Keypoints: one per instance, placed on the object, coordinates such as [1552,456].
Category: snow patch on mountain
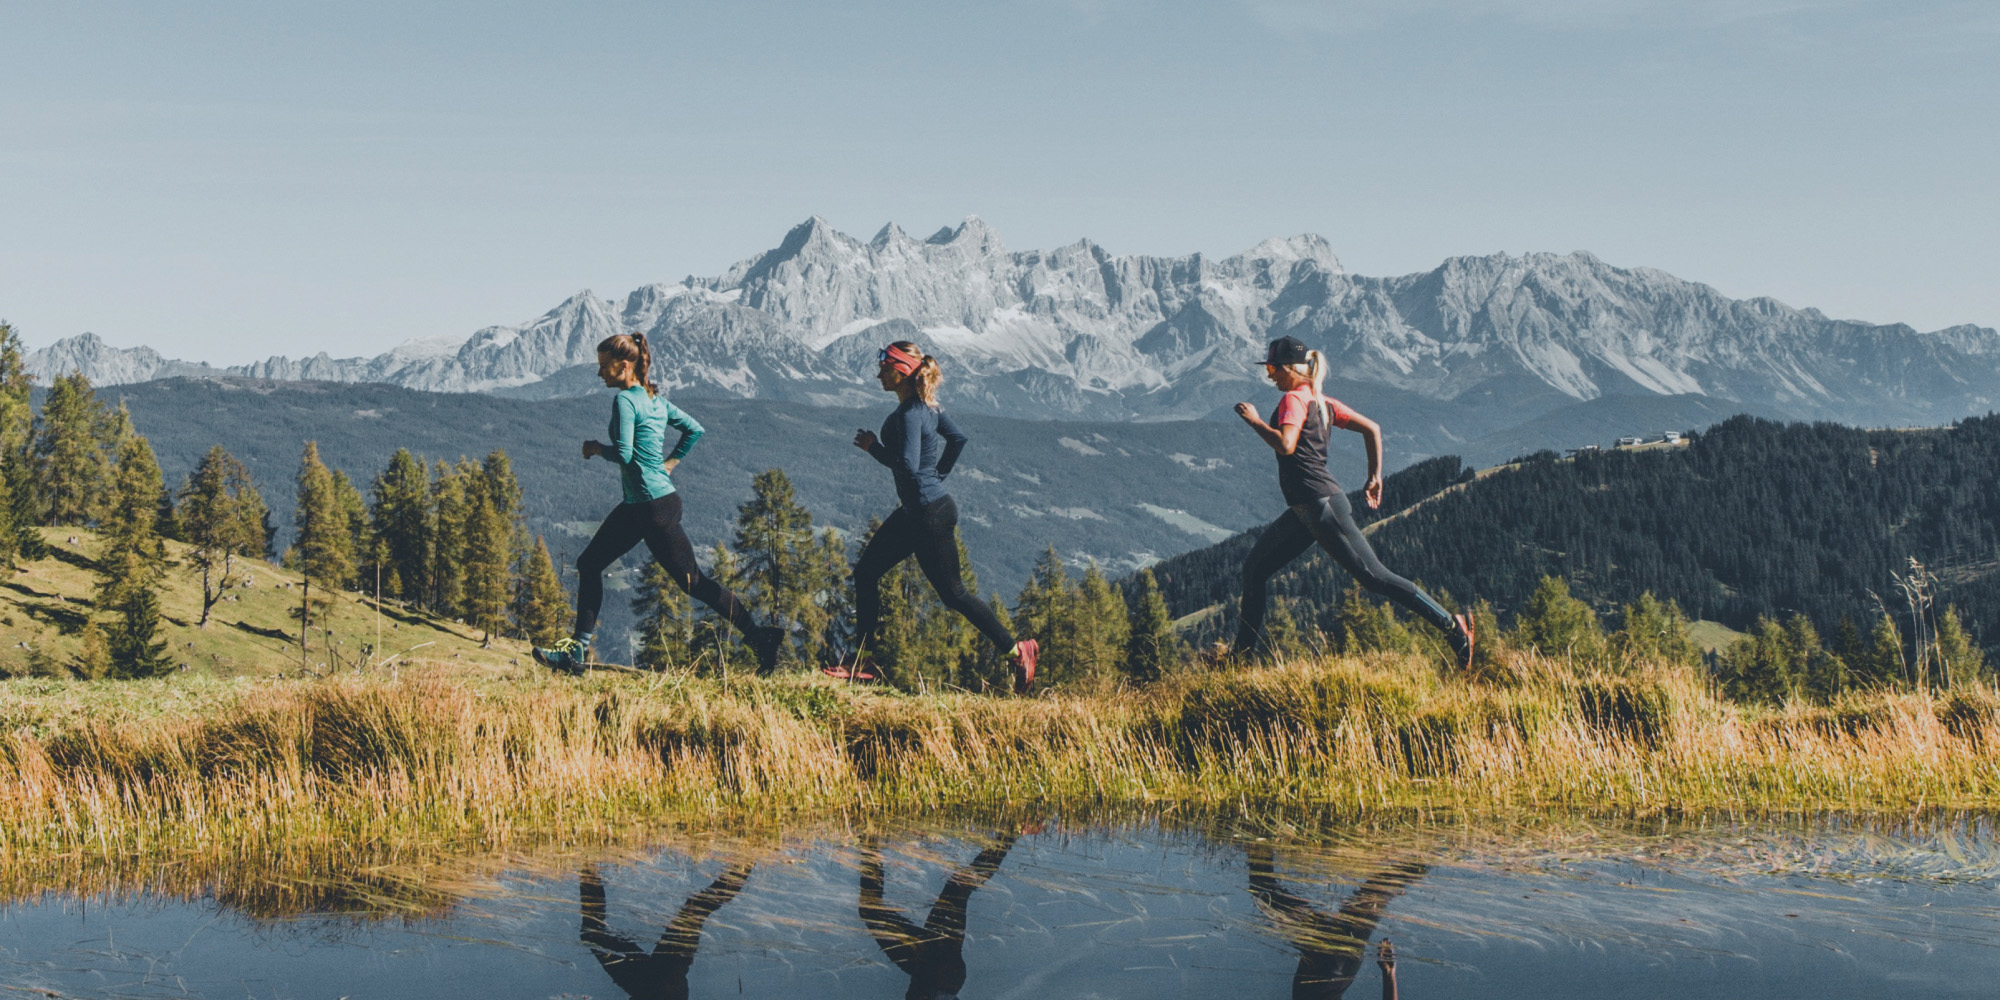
[1077,331]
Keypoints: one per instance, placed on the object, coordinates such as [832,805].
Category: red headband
[901,361]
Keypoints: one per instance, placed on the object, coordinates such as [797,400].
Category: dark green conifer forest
[1849,556]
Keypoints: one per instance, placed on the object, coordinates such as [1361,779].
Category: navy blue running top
[919,444]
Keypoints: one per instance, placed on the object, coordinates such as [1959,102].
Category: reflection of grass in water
[437,762]
[1549,883]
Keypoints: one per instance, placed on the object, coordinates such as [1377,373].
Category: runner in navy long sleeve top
[920,444]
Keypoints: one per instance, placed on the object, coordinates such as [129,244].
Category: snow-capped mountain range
[1483,342]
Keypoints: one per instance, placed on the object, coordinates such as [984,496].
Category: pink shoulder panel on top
[1339,412]
[1292,408]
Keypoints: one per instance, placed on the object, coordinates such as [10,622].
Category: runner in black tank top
[1318,510]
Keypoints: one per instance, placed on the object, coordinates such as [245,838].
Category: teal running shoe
[566,656]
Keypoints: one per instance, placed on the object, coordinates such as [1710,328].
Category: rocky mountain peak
[1303,247]
[889,234]
[1081,331]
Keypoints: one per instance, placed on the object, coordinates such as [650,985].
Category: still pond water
[1055,911]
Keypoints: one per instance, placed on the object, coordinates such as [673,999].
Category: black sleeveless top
[1302,475]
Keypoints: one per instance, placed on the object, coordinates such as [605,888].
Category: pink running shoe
[1025,653]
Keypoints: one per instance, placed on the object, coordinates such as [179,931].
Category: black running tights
[658,524]
[931,534]
[1330,522]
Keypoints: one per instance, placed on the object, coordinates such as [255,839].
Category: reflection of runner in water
[662,973]
[932,955]
[1331,948]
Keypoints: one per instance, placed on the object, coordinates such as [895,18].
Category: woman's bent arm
[1283,440]
[1371,435]
[954,442]
[625,421]
[689,427]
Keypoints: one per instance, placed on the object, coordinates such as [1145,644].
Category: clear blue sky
[228,181]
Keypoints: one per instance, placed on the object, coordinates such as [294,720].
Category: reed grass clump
[433,761]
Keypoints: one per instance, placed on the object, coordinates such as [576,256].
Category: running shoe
[1462,643]
[566,656]
[860,673]
[1025,653]
[766,643]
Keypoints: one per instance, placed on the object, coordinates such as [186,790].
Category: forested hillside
[1122,494]
[1752,518]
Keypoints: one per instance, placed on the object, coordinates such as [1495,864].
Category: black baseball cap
[1286,351]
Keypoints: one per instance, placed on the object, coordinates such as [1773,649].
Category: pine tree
[70,471]
[1283,639]
[1558,625]
[1779,661]
[788,571]
[134,557]
[1368,626]
[400,523]
[990,668]
[221,517]
[1886,662]
[833,595]
[10,530]
[16,423]
[486,563]
[136,650]
[541,606]
[1490,662]
[505,489]
[1758,667]
[1820,674]
[1150,646]
[325,548]
[450,508]
[714,641]
[354,513]
[1961,660]
[93,656]
[1046,611]
[666,628]
[1852,648]
[1098,640]
[1655,632]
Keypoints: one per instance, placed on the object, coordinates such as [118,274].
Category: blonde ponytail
[1314,372]
[927,376]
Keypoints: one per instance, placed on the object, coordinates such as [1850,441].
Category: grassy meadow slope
[252,632]
[355,770]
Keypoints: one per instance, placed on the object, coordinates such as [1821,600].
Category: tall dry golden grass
[308,775]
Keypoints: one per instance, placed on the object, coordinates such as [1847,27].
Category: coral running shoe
[1025,653]
[1462,643]
[860,673]
[566,656]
